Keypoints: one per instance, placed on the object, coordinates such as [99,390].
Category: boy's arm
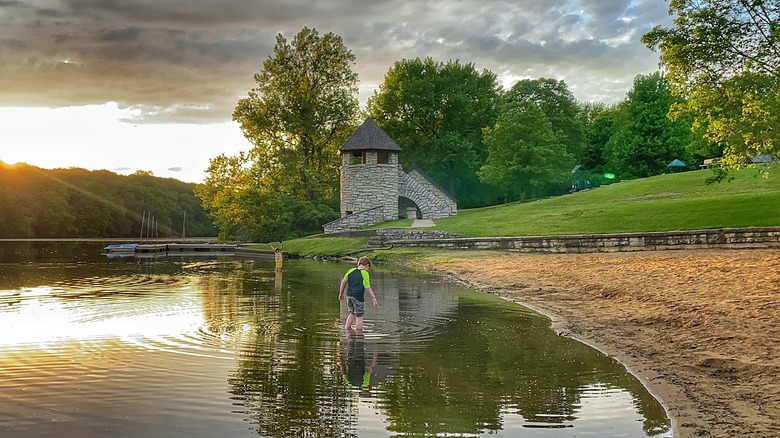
[341,289]
[373,297]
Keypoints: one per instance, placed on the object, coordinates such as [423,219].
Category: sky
[128,85]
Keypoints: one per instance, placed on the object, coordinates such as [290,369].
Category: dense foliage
[525,152]
[436,111]
[643,139]
[304,106]
[69,203]
[723,57]
[560,108]
[301,110]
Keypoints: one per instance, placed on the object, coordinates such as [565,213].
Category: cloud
[175,169]
[190,61]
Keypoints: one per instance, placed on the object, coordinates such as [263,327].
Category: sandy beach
[700,328]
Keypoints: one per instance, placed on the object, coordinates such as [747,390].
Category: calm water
[223,347]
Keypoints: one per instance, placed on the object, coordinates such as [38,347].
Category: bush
[298,218]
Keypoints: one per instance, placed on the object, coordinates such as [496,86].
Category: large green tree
[302,108]
[525,152]
[436,112]
[644,140]
[723,56]
[599,120]
[559,105]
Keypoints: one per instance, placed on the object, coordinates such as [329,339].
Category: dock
[152,249]
[145,250]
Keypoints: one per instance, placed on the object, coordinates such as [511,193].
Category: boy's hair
[364,261]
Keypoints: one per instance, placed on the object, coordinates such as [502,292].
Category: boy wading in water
[356,283]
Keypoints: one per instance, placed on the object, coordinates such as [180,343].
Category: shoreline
[662,392]
[697,327]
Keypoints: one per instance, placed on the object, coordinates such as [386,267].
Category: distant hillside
[679,201]
[67,203]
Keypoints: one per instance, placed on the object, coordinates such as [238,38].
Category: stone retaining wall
[384,236]
[716,238]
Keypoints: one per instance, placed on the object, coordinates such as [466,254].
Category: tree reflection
[490,359]
[464,368]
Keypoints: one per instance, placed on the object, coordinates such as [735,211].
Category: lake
[207,346]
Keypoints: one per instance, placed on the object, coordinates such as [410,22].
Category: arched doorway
[408,209]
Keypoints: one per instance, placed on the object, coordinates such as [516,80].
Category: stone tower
[374,186]
[369,173]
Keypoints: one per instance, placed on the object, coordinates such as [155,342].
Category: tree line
[718,96]
[76,203]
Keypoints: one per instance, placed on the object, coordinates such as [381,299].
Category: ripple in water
[209,348]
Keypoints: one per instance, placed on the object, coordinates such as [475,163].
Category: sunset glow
[103,137]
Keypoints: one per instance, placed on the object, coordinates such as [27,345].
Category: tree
[225,195]
[559,105]
[599,120]
[723,56]
[302,109]
[524,151]
[39,203]
[644,139]
[436,112]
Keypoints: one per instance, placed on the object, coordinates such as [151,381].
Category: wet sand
[701,328]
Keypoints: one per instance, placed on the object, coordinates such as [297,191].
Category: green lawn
[668,202]
[679,201]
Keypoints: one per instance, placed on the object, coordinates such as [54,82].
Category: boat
[121,248]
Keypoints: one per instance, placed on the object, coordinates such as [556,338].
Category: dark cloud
[192,60]
[123,35]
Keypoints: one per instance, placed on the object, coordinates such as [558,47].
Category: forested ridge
[71,203]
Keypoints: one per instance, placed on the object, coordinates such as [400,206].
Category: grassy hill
[679,201]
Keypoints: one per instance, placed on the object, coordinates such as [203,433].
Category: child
[278,256]
[356,282]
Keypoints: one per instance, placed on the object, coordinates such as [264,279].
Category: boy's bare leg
[359,324]
[350,320]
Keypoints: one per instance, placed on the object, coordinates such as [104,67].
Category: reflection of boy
[353,368]
[356,282]
[278,281]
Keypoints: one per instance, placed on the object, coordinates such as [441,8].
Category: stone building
[375,188]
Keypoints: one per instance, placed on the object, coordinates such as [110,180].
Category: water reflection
[206,347]
[357,366]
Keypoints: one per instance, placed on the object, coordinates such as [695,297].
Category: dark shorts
[358,308]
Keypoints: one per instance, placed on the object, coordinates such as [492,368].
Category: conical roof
[369,136]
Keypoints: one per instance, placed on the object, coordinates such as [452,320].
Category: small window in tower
[358,157]
[382,157]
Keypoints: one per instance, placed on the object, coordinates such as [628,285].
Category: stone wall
[767,237]
[430,199]
[384,236]
[370,185]
[355,221]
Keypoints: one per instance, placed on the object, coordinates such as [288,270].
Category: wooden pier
[153,249]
